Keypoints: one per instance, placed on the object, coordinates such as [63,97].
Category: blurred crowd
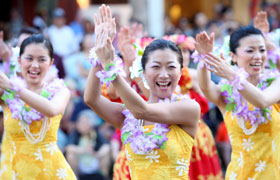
[91,145]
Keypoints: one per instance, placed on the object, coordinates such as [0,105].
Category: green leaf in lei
[157,137]
[163,145]
[45,94]
[148,133]
[27,109]
[272,65]
[10,95]
[268,81]
[228,88]
[231,106]
[125,136]
[266,111]
[110,78]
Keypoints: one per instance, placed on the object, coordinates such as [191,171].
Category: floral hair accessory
[239,106]
[142,142]
[182,41]
[136,69]
[24,112]
[93,57]
[110,72]
[144,42]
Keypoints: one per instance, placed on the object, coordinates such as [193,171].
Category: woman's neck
[154,99]
[35,88]
[254,79]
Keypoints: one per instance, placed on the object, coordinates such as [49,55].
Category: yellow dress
[23,160]
[160,164]
[255,156]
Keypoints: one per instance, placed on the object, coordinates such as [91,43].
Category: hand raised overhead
[204,44]
[261,22]
[105,31]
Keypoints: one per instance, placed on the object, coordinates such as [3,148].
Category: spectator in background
[16,23]
[77,27]
[39,21]
[87,152]
[81,63]
[200,22]
[61,35]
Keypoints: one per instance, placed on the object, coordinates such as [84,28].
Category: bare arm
[47,107]
[5,51]
[211,91]
[251,93]
[107,110]
[259,98]
[184,112]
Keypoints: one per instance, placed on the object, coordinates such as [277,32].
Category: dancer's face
[35,63]
[251,54]
[162,72]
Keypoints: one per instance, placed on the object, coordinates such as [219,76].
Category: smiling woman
[249,99]
[33,109]
[158,134]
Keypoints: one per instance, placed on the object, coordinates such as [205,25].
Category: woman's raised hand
[105,20]
[261,22]
[219,65]
[126,40]
[204,44]
[5,82]
[105,31]
[5,51]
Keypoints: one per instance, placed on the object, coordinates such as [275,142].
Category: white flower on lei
[251,179]
[273,146]
[128,157]
[39,155]
[232,176]
[51,147]
[153,156]
[15,175]
[240,160]
[248,144]
[260,166]
[61,173]
[183,166]
[3,169]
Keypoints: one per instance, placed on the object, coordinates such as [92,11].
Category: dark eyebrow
[257,47]
[158,62]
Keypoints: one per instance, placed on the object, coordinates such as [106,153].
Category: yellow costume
[255,156]
[169,163]
[27,159]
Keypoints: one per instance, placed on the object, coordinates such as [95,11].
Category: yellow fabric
[254,156]
[25,161]
[169,163]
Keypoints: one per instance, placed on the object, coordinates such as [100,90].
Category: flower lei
[109,73]
[24,112]
[238,105]
[273,56]
[143,142]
